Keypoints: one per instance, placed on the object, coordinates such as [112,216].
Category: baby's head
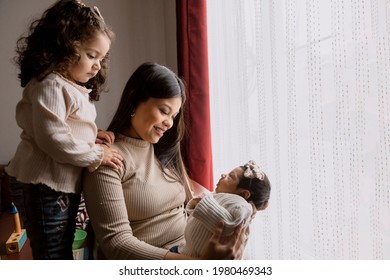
[249,182]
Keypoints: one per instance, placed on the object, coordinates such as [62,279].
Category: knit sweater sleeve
[51,106]
[230,208]
[108,214]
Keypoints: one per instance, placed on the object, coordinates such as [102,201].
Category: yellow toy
[17,239]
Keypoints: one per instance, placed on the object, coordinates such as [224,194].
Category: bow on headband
[252,170]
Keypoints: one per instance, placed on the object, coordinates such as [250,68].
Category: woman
[138,211]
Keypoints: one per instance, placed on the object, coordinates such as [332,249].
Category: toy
[17,239]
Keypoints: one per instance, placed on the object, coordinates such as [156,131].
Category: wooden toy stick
[17,239]
[14,211]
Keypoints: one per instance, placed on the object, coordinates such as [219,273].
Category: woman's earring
[133,114]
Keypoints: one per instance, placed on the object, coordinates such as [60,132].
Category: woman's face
[154,117]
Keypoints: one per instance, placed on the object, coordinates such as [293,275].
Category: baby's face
[229,182]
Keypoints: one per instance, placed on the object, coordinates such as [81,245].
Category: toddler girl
[63,64]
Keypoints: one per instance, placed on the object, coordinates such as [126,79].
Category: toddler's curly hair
[50,43]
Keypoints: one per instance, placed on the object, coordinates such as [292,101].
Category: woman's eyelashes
[163,112]
[166,113]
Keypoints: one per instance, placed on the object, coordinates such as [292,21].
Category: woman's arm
[219,247]
[230,208]
[108,214]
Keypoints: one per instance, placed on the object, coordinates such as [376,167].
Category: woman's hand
[105,137]
[226,248]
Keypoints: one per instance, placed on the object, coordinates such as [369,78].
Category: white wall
[145,31]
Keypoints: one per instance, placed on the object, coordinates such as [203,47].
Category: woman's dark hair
[151,80]
[50,43]
[260,189]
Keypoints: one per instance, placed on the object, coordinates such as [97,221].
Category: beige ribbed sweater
[204,217]
[58,134]
[136,213]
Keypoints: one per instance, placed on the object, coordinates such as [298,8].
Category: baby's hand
[105,137]
[196,200]
[193,202]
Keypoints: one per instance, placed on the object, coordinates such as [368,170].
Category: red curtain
[193,67]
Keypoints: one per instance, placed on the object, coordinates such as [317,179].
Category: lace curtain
[303,88]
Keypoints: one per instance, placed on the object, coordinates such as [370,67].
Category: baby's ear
[245,194]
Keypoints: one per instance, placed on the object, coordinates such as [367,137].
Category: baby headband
[252,170]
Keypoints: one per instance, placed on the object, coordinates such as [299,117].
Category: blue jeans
[174,249]
[48,217]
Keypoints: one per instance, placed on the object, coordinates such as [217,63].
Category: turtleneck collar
[134,141]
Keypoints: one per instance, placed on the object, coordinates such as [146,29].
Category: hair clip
[81,4]
[96,10]
[252,170]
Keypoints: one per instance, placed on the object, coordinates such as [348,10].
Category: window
[302,88]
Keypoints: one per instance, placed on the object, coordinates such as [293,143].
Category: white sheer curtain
[303,88]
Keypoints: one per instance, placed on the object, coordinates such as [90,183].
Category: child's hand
[105,137]
[111,157]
